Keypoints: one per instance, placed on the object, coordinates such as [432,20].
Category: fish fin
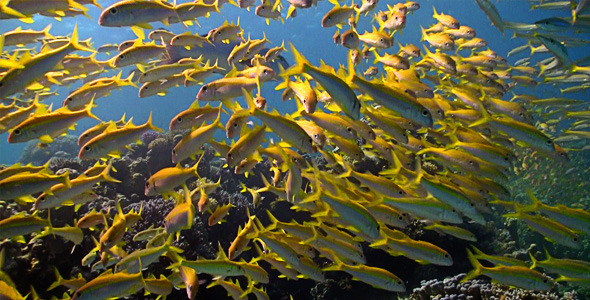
[475,272]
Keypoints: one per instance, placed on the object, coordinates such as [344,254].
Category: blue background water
[304,32]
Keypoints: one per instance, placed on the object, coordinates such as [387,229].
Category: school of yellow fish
[435,115]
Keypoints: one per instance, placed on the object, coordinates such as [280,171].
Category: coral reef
[453,289]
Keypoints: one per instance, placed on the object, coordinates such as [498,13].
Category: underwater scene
[295,149]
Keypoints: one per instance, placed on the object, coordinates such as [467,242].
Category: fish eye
[472,204]
[228,155]
[87,148]
[575,239]
[454,210]
[316,136]
[544,280]
[447,44]
[446,256]
[113,11]
[264,71]
[204,88]
[425,112]
[401,192]
[349,129]
[17,131]
[381,40]
[549,142]
[303,101]
[42,198]
[179,119]
[69,99]
[236,124]
[471,162]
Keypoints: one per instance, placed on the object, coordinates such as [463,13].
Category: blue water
[304,32]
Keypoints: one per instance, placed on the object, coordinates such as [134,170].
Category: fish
[21,185]
[191,143]
[518,276]
[182,216]
[21,224]
[335,86]
[446,20]
[218,215]
[17,79]
[136,13]
[376,277]
[302,90]
[246,146]
[73,283]
[110,285]
[112,139]
[492,13]
[166,179]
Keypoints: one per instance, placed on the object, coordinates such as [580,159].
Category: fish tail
[66,179]
[149,124]
[338,265]
[534,260]
[273,220]
[536,202]
[477,251]
[484,119]
[300,63]
[106,173]
[46,30]
[74,41]
[74,4]
[88,110]
[424,34]
[129,80]
[249,101]
[351,70]
[475,272]
[216,6]
[9,11]
[217,121]
[196,166]
[59,280]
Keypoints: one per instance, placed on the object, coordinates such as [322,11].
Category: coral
[150,136]
[159,154]
[62,146]
[453,288]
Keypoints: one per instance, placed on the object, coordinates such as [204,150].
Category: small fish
[518,276]
[373,276]
[446,20]
[220,213]
[136,13]
[110,285]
